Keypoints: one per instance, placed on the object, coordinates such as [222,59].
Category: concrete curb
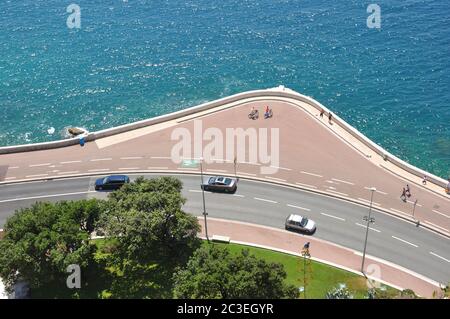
[250,178]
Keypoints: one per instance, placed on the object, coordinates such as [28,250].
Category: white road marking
[411,202]
[447,260]
[406,242]
[101,159]
[195,191]
[188,168]
[13,167]
[265,200]
[43,196]
[282,168]
[37,165]
[99,170]
[428,222]
[70,162]
[378,191]
[312,174]
[335,217]
[330,187]
[7,178]
[399,211]
[298,207]
[277,179]
[371,228]
[161,157]
[37,175]
[131,158]
[71,172]
[437,212]
[306,185]
[250,163]
[342,181]
[343,194]
[128,168]
[331,182]
[238,195]
[158,167]
[368,201]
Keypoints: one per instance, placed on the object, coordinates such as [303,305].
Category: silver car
[300,223]
[220,184]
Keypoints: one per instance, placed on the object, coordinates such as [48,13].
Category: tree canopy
[213,272]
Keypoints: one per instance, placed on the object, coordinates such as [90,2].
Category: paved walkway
[320,250]
[314,155]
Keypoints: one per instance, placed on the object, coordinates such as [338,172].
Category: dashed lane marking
[131,158]
[436,255]
[406,242]
[70,162]
[306,185]
[194,191]
[371,228]
[38,165]
[368,201]
[161,157]
[311,174]
[332,216]
[128,168]
[242,173]
[157,167]
[265,200]
[438,212]
[70,172]
[339,193]
[298,207]
[101,159]
[282,168]
[43,196]
[342,181]
[238,195]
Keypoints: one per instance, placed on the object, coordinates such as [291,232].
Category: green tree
[152,236]
[212,272]
[41,241]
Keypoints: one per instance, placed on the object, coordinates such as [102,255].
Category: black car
[220,184]
[112,182]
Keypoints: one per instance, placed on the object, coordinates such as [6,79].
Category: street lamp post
[305,253]
[369,220]
[203,195]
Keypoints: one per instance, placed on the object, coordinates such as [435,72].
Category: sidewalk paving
[323,251]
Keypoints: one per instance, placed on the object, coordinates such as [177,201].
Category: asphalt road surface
[338,221]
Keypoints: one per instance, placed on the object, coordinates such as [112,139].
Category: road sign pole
[369,220]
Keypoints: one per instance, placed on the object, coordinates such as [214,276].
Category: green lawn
[320,277]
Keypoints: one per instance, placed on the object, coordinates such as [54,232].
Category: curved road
[338,221]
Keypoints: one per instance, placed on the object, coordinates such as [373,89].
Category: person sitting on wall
[268,113]
[447,190]
[254,114]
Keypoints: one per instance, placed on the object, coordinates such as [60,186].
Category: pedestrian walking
[322,111]
[403,196]
[408,191]
[424,180]
[330,117]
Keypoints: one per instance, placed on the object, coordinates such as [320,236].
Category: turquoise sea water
[134,59]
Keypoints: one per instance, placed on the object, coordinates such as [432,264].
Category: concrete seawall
[279,92]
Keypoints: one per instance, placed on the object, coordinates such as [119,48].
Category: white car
[300,223]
